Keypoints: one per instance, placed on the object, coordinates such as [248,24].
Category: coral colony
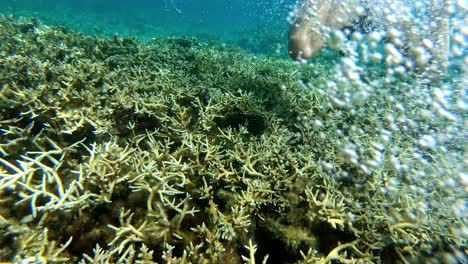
[175,151]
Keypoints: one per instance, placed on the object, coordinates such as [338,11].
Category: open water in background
[261,27]
[235,21]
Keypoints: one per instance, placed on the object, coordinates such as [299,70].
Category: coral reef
[175,151]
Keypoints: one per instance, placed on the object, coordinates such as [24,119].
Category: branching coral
[113,150]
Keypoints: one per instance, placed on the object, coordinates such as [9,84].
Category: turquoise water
[214,131]
[259,26]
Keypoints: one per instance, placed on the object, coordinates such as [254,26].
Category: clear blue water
[399,100]
[236,21]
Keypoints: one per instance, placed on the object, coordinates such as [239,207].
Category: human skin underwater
[307,33]
[178,150]
[313,22]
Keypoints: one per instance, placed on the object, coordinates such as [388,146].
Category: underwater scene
[242,131]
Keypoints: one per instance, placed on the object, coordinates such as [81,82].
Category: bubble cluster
[407,65]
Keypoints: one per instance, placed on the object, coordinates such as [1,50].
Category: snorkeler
[314,21]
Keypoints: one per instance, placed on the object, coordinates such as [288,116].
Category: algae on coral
[177,151]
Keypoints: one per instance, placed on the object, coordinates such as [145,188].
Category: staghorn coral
[176,151]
